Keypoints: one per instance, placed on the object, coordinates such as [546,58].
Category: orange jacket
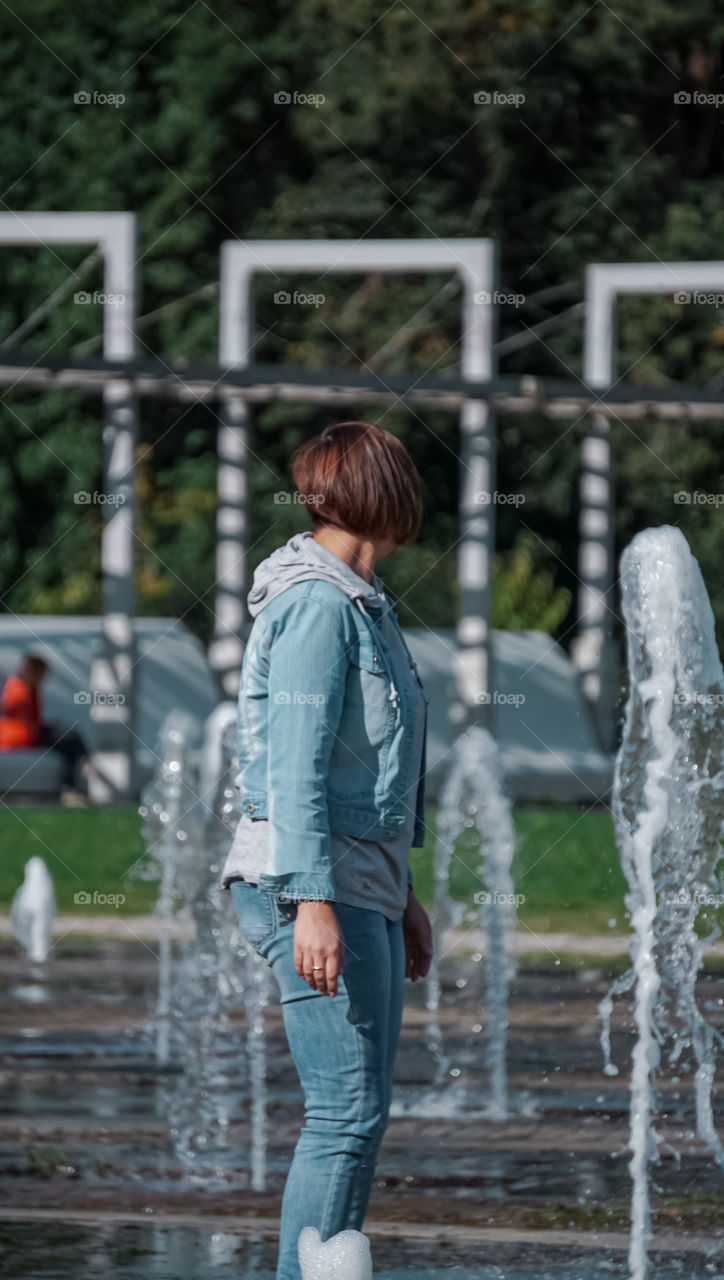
[19,715]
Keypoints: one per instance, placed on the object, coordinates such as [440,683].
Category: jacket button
[250,808]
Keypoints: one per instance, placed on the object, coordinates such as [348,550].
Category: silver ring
[317,966]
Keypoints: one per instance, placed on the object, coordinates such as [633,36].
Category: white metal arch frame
[475,262]
[593,651]
[113,671]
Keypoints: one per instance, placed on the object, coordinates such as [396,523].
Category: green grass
[566,863]
[85,850]
[566,866]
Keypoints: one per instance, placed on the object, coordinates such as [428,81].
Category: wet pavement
[83,1132]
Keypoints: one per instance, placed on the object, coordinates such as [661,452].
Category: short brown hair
[360,477]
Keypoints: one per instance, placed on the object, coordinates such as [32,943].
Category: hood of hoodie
[302,559]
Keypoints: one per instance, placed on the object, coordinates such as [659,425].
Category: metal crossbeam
[262,383]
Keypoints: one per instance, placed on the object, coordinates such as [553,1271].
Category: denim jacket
[325,739]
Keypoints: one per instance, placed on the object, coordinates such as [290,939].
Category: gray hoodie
[302,559]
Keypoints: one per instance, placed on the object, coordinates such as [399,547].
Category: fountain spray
[668,809]
[473,800]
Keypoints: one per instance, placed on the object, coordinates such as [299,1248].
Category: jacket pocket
[368,695]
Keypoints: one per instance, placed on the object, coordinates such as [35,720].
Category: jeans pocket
[254,911]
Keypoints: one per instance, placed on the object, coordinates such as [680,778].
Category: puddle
[53,1251]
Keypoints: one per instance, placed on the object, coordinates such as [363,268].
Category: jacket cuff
[300,887]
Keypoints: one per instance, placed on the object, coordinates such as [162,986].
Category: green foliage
[524,599]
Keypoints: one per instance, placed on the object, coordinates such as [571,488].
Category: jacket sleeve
[307,676]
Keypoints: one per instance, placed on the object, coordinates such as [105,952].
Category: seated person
[21,727]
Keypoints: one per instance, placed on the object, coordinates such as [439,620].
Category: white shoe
[345,1257]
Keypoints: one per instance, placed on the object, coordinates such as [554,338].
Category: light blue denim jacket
[325,738]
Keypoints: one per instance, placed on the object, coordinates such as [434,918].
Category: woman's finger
[320,974]
[332,973]
[415,964]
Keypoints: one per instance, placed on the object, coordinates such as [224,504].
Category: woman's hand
[417,931]
[318,946]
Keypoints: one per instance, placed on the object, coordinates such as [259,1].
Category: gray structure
[170,671]
[474,261]
[112,676]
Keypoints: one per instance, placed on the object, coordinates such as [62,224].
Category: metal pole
[593,649]
[113,673]
[477,488]
[226,649]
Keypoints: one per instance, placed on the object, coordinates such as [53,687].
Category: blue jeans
[344,1050]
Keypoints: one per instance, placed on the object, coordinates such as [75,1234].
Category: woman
[332,729]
